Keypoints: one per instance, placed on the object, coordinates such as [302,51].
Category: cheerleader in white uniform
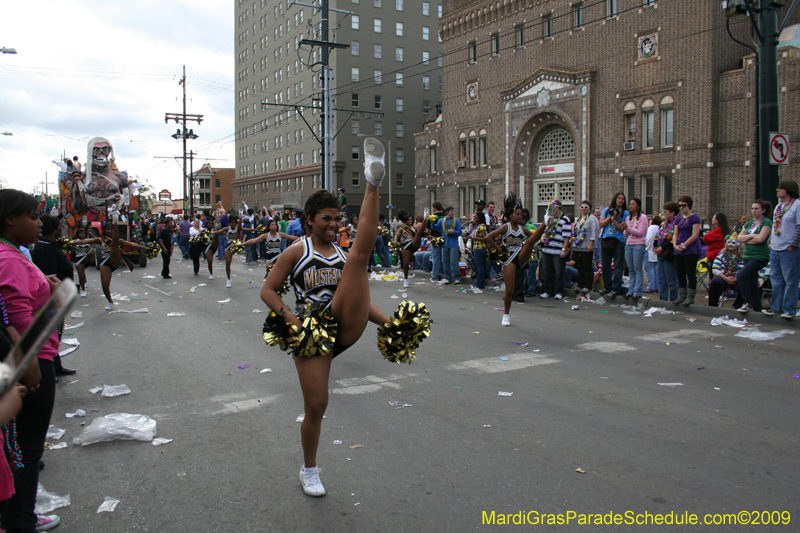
[408,237]
[82,257]
[321,273]
[517,241]
[234,233]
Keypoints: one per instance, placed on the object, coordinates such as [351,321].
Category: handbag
[609,244]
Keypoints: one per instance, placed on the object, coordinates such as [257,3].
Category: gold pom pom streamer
[399,338]
[395,247]
[318,334]
[284,289]
[153,249]
[498,256]
[437,242]
[201,239]
[236,247]
[277,331]
[66,245]
[383,231]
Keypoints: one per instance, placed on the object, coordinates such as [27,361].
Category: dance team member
[325,280]
[407,241]
[272,238]
[82,257]
[110,256]
[518,241]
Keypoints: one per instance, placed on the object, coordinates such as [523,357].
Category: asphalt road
[586,395]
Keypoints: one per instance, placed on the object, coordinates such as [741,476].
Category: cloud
[112,69]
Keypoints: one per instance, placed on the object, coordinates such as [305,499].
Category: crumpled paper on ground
[122,426]
[110,391]
[108,505]
[47,502]
[755,335]
[726,321]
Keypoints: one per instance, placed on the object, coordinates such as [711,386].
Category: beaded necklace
[551,231]
[777,221]
[12,444]
[729,262]
[757,229]
[579,232]
[666,231]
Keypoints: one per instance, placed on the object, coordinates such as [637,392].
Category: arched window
[629,122]
[462,150]
[473,149]
[432,151]
[648,123]
[557,145]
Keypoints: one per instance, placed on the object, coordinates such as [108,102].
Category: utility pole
[181,118]
[764,16]
[326,82]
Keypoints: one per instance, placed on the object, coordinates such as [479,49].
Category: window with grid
[398,155]
[355,73]
[378,128]
[378,76]
[648,124]
[398,53]
[355,180]
[354,100]
[398,81]
[355,21]
[355,48]
[547,26]
[426,83]
[473,51]
[495,43]
[398,29]
[666,127]
[577,15]
[399,129]
[398,105]
[556,145]
[355,126]
[519,33]
[398,5]
[378,51]
[378,26]
[426,57]
[399,183]
[378,101]
[426,9]
[355,153]
[426,33]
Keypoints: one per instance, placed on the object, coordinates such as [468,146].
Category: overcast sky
[89,68]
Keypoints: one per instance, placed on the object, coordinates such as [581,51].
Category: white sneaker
[374,168]
[406,282]
[211,276]
[745,308]
[46,522]
[109,306]
[544,296]
[558,296]
[446,282]
[83,294]
[228,284]
[506,320]
[787,315]
[312,486]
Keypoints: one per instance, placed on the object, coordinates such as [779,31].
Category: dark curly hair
[402,216]
[49,224]
[318,201]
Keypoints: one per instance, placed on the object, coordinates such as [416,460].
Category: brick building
[581,100]
[213,185]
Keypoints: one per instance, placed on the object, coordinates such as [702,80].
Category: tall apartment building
[386,83]
[581,99]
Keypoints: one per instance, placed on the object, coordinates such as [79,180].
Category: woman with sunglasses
[687,250]
[584,241]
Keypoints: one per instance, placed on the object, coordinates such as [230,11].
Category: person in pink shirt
[635,248]
[25,290]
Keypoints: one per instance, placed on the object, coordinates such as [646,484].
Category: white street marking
[673,336]
[491,365]
[607,347]
[159,290]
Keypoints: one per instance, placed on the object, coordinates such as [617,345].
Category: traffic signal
[374,161]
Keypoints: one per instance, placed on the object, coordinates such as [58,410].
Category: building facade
[580,100]
[212,186]
[386,83]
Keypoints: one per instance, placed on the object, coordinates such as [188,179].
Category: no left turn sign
[778,148]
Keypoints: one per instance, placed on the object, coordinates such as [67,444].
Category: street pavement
[585,396]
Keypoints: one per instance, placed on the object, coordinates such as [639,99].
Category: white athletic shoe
[211,276]
[544,296]
[506,320]
[558,296]
[374,166]
[83,294]
[109,306]
[406,283]
[312,486]
[228,284]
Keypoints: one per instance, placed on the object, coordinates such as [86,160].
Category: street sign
[778,148]
[391,207]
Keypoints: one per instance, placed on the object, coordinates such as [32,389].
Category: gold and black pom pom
[399,338]
[261,230]
[319,331]
[277,331]
[498,256]
[153,249]
[202,238]
[437,242]
[284,289]
[395,247]
[383,231]
[66,245]
[236,247]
